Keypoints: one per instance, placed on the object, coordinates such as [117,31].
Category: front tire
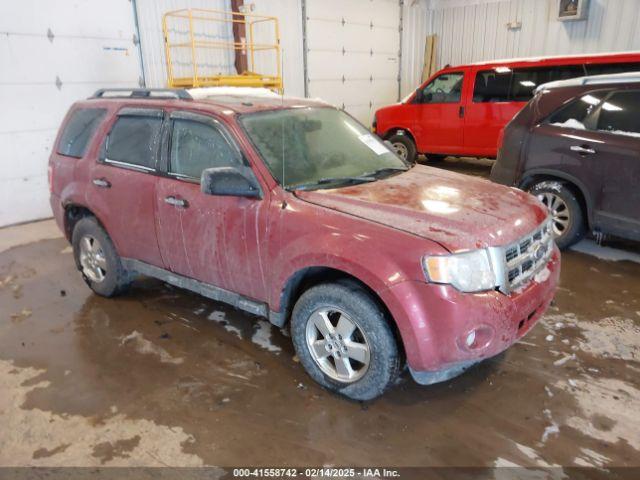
[343,339]
[97,259]
[404,147]
[568,217]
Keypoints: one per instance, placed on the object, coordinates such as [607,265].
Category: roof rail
[148,93]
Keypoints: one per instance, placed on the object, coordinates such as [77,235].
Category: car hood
[458,211]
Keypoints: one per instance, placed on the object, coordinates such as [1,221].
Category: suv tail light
[50,176]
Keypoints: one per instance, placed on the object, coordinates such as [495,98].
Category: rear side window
[619,114]
[196,146]
[78,131]
[133,140]
[503,84]
[575,113]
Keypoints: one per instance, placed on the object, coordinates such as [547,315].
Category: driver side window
[196,146]
[445,88]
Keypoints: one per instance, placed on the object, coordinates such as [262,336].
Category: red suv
[290,209]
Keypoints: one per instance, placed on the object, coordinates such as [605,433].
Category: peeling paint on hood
[457,211]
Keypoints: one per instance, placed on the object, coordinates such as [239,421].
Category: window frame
[134,112]
[418,99]
[90,139]
[208,120]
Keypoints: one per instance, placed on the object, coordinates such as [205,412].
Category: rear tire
[338,324]
[97,259]
[569,224]
[404,147]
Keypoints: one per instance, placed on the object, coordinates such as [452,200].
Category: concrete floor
[165,377]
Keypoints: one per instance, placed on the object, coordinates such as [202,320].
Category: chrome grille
[523,259]
[528,255]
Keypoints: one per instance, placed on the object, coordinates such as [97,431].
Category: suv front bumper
[445,331]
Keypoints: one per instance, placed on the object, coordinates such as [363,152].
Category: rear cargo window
[620,113]
[79,130]
[609,68]
[133,140]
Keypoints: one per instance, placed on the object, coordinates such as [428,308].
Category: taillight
[50,175]
[374,125]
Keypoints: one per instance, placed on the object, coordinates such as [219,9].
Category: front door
[213,239]
[439,115]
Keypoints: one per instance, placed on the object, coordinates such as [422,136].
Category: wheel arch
[73,213]
[400,130]
[308,277]
[577,187]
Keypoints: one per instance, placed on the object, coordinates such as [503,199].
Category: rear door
[619,159]
[439,114]
[123,181]
[214,239]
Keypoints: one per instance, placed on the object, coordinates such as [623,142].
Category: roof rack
[149,93]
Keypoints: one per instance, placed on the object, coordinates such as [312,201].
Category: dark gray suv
[576,146]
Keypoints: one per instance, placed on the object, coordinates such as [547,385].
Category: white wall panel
[52,52]
[475,30]
[353,53]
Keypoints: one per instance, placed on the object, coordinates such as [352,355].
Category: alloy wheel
[401,150]
[92,259]
[338,345]
[559,211]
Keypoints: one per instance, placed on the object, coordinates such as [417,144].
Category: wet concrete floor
[162,376]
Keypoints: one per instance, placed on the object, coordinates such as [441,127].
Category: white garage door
[352,54]
[52,53]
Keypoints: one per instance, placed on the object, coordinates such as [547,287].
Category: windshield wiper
[333,180]
[381,172]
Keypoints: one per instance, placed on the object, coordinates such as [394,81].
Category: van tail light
[50,176]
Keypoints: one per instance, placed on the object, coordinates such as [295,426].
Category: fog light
[471,338]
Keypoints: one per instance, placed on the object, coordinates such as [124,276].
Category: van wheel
[404,147]
[97,259]
[343,340]
[568,218]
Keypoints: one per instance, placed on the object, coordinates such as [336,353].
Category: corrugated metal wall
[475,30]
[150,14]
[415,28]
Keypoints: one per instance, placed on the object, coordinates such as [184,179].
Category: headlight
[468,272]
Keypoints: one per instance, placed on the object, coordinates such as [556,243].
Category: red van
[462,110]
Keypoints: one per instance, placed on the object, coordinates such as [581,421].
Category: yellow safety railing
[216,48]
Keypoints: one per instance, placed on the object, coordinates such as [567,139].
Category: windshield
[319,148]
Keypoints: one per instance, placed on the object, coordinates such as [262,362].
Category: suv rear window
[79,130]
[133,140]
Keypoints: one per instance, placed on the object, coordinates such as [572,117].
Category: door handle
[461,112]
[101,182]
[176,202]
[582,150]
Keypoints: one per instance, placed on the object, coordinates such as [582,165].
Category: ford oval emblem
[539,252]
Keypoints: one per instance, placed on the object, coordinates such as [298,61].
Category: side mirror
[230,182]
[419,96]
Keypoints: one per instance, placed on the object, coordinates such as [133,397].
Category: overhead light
[502,69]
[610,107]
[527,83]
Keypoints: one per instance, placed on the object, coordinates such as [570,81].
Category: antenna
[284,183]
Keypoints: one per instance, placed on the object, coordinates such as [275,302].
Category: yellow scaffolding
[191,56]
